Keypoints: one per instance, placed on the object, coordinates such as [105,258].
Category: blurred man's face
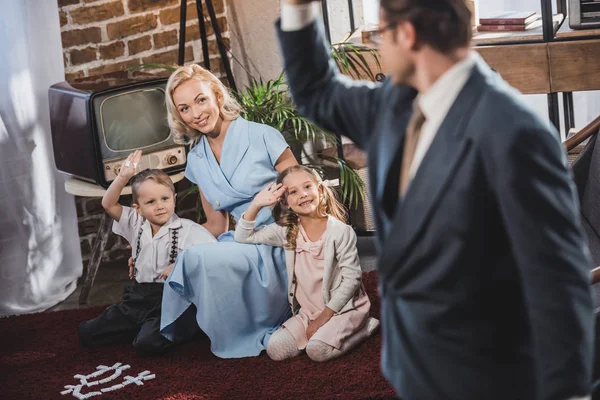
[395,49]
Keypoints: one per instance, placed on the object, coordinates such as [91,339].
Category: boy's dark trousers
[135,319]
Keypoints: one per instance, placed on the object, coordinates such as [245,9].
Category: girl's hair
[157,175]
[229,109]
[328,205]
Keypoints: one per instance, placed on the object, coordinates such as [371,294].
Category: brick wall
[106,36]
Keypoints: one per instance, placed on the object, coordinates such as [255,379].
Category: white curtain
[40,259]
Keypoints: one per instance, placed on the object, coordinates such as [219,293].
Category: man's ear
[407,35]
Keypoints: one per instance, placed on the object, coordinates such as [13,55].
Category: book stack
[510,21]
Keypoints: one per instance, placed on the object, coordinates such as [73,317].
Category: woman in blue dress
[239,290]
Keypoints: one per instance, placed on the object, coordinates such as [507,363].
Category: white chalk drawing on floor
[85,381]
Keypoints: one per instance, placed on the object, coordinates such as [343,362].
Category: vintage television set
[97,122]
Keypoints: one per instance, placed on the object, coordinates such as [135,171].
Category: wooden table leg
[97,249]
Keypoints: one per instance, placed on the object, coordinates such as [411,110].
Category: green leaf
[351,185]
[346,53]
[193,189]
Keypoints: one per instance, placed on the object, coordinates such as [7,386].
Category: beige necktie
[413,131]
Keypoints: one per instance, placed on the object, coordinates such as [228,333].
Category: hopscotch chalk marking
[86,381]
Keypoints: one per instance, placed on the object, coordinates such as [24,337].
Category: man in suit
[482,261]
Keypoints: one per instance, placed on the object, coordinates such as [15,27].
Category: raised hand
[269,196]
[265,198]
[130,165]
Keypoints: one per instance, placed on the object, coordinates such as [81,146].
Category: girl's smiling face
[303,194]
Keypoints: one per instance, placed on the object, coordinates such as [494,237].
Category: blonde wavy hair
[229,108]
[328,205]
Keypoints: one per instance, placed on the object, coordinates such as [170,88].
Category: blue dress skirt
[239,290]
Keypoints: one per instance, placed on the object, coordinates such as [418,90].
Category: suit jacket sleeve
[538,204]
[272,234]
[333,101]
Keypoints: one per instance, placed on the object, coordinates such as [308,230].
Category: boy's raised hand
[130,165]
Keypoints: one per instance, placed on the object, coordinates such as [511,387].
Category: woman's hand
[130,165]
[315,324]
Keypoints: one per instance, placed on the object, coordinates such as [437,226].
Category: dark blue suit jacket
[483,266]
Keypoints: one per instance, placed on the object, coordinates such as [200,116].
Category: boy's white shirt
[155,251]
[341,271]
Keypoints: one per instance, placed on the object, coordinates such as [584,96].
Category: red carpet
[40,354]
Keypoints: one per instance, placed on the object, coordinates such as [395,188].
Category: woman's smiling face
[197,105]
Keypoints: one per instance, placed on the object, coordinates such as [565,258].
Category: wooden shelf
[567,64]
[574,65]
[502,37]
[506,37]
[565,32]
[523,66]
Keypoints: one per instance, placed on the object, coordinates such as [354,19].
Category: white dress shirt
[435,104]
[155,250]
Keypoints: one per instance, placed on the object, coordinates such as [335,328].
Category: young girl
[329,305]
[157,235]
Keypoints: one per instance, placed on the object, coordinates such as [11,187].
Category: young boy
[156,235]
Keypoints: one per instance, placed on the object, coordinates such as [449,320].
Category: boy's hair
[329,205]
[157,175]
[445,25]
[229,108]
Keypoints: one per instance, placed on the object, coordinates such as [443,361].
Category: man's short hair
[445,25]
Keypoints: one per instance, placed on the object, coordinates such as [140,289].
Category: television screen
[131,120]
[98,121]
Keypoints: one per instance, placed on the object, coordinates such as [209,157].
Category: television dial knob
[171,159]
[117,169]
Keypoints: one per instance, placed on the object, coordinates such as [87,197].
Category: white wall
[253,40]
[40,258]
